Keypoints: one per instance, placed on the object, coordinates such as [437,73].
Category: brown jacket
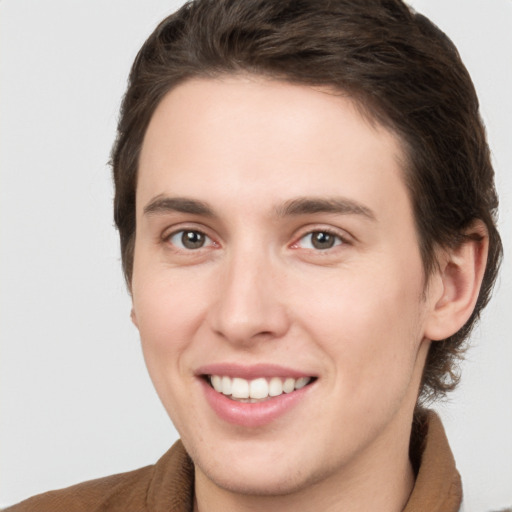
[168,485]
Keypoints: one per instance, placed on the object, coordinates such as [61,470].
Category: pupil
[322,240]
[192,239]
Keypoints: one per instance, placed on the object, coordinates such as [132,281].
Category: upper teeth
[256,388]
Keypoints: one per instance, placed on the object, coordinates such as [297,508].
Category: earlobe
[133,317]
[461,271]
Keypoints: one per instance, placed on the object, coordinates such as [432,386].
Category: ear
[456,285]
[133,316]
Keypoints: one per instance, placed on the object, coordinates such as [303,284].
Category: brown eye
[189,239]
[320,240]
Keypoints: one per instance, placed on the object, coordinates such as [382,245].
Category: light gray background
[76,401]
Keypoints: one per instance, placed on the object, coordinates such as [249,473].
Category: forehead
[264,139]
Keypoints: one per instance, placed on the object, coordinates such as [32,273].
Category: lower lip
[256,414]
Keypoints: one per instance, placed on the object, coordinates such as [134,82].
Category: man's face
[275,240]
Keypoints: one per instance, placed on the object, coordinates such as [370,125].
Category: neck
[381,479]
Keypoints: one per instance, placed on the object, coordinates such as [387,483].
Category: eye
[190,239]
[319,240]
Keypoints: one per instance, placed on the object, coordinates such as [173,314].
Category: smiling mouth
[256,390]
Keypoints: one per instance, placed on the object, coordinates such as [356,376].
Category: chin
[277,482]
[257,470]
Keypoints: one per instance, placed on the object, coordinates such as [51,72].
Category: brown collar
[438,487]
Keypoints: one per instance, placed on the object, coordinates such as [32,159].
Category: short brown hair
[402,71]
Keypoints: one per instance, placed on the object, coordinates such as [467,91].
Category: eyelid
[180,228]
[345,237]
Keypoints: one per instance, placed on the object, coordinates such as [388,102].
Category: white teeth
[289,385]
[226,385]
[301,382]
[275,387]
[217,383]
[257,389]
[239,388]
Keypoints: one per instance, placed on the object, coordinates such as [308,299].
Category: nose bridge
[249,304]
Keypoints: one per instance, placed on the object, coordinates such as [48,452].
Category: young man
[306,208]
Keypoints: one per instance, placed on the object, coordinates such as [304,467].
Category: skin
[358,315]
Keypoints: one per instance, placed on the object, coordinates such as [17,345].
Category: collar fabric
[438,487]
[169,484]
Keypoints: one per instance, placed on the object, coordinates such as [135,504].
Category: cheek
[167,316]
[168,319]
[370,324]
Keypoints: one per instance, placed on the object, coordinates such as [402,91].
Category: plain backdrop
[76,401]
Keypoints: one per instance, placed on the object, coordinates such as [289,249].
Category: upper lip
[249,372]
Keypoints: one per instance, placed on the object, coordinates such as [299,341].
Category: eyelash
[338,239]
[208,242]
[176,239]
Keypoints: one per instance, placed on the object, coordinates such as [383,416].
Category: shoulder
[109,493]
[134,491]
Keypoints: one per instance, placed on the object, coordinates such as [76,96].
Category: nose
[250,301]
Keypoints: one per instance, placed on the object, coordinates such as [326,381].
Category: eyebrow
[162,204]
[293,207]
[312,205]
